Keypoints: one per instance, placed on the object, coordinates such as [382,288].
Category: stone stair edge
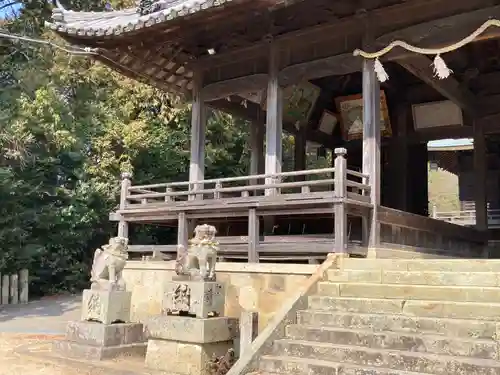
[481,265]
[418,260]
[331,364]
[443,319]
[393,333]
[468,360]
[401,300]
[410,285]
[382,270]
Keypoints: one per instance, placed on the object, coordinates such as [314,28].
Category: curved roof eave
[123,21]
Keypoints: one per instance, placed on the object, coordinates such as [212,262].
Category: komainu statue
[198,261]
[108,265]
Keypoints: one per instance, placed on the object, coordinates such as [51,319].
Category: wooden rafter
[399,14]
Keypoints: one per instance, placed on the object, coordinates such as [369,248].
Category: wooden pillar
[122,224]
[198,122]
[274,120]
[371,146]
[274,127]
[341,235]
[480,172]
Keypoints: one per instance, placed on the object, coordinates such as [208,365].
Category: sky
[5,12]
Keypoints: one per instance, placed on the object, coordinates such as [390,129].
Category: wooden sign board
[328,122]
[351,116]
[436,114]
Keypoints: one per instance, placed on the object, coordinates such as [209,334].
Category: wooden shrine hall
[324,71]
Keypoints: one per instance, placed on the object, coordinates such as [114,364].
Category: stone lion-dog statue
[198,261]
[109,262]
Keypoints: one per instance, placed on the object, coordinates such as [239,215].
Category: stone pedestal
[96,341]
[185,345]
[105,331]
[188,343]
[106,306]
[197,298]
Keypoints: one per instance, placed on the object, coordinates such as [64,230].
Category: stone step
[436,278]
[430,265]
[393,359]
[270,365]
[422,308]
[395,341]
[467,328]
[410,292]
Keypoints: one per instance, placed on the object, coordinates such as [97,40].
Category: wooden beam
[223,89]
[341,64]
[421,67]
[438,32]
[395,16]
[441,32]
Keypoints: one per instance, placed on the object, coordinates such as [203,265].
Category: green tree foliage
[68,127]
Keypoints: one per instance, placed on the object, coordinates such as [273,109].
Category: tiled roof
[123,21]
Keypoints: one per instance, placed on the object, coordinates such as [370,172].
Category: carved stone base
[194,330]
[96,341]
[197,298]
[184,358]
[106,306]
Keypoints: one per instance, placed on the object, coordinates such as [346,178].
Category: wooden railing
[319,191]
[468,217]
[246,186]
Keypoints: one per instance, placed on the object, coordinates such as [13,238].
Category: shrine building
[371,82]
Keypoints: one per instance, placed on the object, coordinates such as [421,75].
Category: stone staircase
[381,317]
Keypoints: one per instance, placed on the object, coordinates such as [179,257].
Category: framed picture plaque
[351,116]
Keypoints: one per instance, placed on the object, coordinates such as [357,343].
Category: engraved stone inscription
[181,298]
[94,307]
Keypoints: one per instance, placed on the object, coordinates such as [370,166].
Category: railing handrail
[459,212]
[305,172]
[233,189]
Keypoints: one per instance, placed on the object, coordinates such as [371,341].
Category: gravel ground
[28,331]
[47,316]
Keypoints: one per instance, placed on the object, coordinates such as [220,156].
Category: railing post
[168,198]
[434,211]
[340,207]
[126,183]
[218,185]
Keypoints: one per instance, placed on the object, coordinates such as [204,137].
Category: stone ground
[28,331]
